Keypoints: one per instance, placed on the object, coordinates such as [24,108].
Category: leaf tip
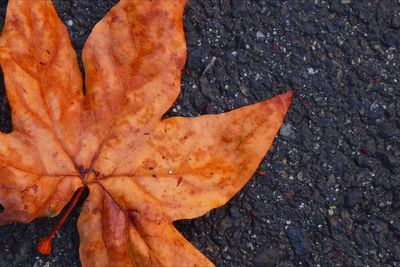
[284,100]
[288,96]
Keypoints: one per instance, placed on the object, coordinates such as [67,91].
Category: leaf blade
[217,155]
[133,61]
[125,238]
[37,171]
[35,50]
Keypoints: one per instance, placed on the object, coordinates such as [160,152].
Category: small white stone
[311,71]
[260,35]
[70,22]
[286,129]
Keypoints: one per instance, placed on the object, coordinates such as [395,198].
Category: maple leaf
[142,172]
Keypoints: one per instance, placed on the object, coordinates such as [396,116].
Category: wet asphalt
[328,192]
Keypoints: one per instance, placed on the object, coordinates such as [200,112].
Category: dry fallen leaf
[142,172]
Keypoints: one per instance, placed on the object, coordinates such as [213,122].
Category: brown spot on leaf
[180,179]
[150,164]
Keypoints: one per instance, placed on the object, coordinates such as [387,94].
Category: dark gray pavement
[328,193]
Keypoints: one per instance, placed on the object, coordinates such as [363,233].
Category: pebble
[353,198]
[299,241]
[311,71]
[266,257]
[260,35]
[286,129]
[225,224]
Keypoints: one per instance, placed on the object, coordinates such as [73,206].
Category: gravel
[328,192]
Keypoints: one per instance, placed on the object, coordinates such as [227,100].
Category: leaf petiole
[44,246]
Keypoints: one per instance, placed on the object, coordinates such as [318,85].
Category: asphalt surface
[328,193]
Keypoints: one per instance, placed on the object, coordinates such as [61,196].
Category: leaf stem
[44,246]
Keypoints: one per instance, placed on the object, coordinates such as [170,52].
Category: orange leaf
[142,172]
